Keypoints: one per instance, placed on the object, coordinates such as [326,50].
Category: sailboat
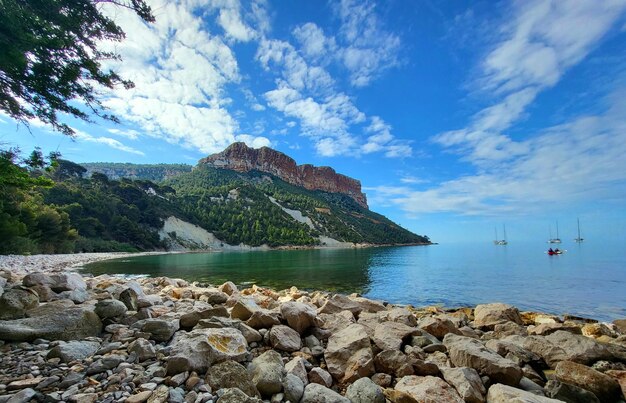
[502,241]
[579,239]
[557,239]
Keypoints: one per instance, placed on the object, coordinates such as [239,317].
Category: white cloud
[367,49]
[253,141]
[578,161]
[180,69]
[535,49]
[80,135]
[129,134]
[314,44]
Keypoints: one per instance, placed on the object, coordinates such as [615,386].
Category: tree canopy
[51,57]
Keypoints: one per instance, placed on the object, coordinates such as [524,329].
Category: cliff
[241,158]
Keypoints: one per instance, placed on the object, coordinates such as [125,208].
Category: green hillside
[58,209]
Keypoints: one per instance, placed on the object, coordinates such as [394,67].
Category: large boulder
[244,308]
[569,393]
[284,338]
[160,330]
[391,335]
[428,389]
[467,383]
[293,387]
[363,390]
[231,374]
[316,393]
[198,349]
[489,315]
[56,322]
[143,349]
[438,327]
[338,303]
[349,354]
[297,367]
[394,362]
[68,281]
[16,301]
[299,316]
[110,308]
[268,373]
[500,393]
[606,388]
[263,319]
[468,352]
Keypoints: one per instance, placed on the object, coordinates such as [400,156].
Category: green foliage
[149,172]
[50,57]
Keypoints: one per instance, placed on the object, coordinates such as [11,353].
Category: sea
[588,280]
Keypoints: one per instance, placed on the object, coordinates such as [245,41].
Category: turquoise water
[588,280]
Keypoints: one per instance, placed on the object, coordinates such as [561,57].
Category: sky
[457,117]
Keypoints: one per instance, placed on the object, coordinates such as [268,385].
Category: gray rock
[74,350]
[67,282]
[57,323]
[143,349]
[299,316]
[284,338]
[229,288]
[293,388]
[316,393]
[110,308]
[268,373]
[321,376]
[468,352]
[35,279]
[391,335]
[349,354]
[569,393]
[16,301]
[394,362]
[23,396]
[338,303]
[77,296]
[234,395]
[365,391]
[428,389]
[129,298]
[297,367]
[196,350]
[160,330]
[244,308]
[230,374]
[489,315]
[500,393]
[606,388]
[177,395]
[438,327]
[263,319]
[104,364]
[467,383]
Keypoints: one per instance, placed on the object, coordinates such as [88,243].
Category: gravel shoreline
[65,337]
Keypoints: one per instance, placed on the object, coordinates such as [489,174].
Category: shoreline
[83,339]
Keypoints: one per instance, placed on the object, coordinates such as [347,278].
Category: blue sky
[456,116]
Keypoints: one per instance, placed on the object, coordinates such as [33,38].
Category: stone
[198,349]
[16,301]
[502,330]
[467,383]
[392,335]
[545,329]
[234,395]
[231,374]
[515,353]
[365,391]
[338,303]
[284,338]
[229,288]
[58,323]
[316,393]
[160,395]
[36,279]
[500,393]
[263,319]
[77,296]
[368,305]
[299,316]
[620,376]
[321,376]
[569,393]
[243,309]
[73,350]
[335,322]
[438,327]
[68,281]
[24,383]
[401,315]
[606,388]
[105,363]
[110,308]
[160,330]
[190,319]
[394,362]
[139,397]
[428,389]
[297,367]
[349,354]
[382,380]
[489,315]
[293,388]
[23,396]
[83,398]
[268,373]
[468,352]
[129,297]
[620,324]
[143,349]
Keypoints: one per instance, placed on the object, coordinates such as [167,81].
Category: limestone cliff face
[239,157]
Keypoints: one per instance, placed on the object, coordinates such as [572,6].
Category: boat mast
[557,229]
[504,229]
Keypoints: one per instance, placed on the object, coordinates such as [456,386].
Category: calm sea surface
[588,280]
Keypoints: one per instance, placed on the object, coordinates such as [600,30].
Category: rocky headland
[241,158]
[74,338]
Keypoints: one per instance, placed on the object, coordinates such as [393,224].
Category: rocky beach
[69,337]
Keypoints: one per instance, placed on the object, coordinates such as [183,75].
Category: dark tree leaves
[50,57]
